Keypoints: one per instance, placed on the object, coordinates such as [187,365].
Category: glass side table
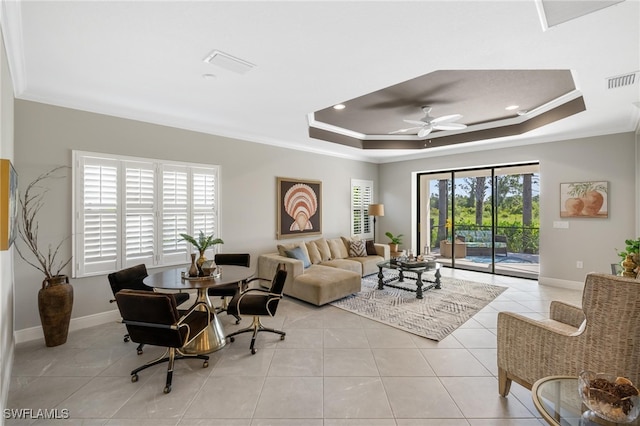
[558,401]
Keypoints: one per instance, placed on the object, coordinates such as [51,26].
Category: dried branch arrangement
[31,202]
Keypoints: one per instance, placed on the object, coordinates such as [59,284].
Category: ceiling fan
[428,123]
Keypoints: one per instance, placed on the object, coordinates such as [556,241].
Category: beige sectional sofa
[333,268]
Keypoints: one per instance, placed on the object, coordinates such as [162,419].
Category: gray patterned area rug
[435,316]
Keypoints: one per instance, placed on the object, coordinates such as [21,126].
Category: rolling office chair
[229,290]
[153,318]
[131,278]
[258,302]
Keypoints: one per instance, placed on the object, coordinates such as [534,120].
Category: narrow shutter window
[204,201]
[140,224]
[99,241]
[361,197]
[175,213]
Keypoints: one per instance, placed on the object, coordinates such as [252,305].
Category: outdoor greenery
[518,209]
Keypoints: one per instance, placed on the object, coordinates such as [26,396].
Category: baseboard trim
[554,282]
[35,333]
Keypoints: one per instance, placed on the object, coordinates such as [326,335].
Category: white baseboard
[554,282]
[35,333]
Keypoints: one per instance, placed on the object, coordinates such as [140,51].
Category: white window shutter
[98,234]
[204,195]
[361,197]
[175,213]
[140,223]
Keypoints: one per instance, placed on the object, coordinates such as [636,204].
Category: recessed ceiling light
[339,106]
[512,107]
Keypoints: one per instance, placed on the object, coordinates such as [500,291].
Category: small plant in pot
[631,253]
[55,298]
[395,241]
[202,243]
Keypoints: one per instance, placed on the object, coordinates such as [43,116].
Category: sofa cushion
[338,249]
[371,248]
[357,248]
[314,254]
[323,248]
[283,247]
[320,284]
[346,264]
[297,253]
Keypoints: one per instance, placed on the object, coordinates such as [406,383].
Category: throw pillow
[314,254]
[323,248]
[284,247]
[338,249]
[297,253]
[358,249]
[371,248]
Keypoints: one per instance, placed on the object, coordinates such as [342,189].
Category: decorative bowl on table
[609,397]
[208,268]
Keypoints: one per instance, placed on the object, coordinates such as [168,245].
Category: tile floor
[333,369]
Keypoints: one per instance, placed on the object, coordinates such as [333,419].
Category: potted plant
[202,243]
[395,241]
[55,298]
[630,255]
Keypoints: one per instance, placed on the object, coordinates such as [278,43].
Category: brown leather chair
[258,302]
[229,290]
[132,278]
[152,318]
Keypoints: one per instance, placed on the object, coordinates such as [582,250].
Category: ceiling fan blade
[415,122]
[449,126]
[446,118]
[424,131]
[405,130]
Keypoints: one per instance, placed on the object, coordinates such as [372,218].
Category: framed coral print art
[584,199]
[299,207]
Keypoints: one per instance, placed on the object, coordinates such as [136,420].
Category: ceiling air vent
[228,62]
[621,80]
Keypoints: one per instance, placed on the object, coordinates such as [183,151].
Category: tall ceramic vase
[55,301]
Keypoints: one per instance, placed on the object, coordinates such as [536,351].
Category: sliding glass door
[483,219]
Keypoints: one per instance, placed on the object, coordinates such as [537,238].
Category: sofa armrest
[565,313]
[268,265]
[383,250]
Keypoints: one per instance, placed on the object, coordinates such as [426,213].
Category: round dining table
[177,279]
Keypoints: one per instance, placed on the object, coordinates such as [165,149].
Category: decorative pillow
[314,254]
[297,253]
[358,249]
[371,248]
[323,248]
[282,248]
[338,249]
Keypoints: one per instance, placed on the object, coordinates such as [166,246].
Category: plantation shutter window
[361,197]
[99,200]
[132,210]
[140,223]
[175,213]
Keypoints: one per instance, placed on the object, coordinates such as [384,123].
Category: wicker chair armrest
[529,350]
[566,313]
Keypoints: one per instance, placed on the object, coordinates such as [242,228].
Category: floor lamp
[375,210]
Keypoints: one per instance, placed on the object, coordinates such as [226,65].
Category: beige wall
[46,135]
[6,257]
[593,241]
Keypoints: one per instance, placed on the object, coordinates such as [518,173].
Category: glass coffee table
[415,270]
[558,401]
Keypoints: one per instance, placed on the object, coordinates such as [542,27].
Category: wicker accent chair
[603,336]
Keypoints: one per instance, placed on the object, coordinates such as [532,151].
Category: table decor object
[609,397]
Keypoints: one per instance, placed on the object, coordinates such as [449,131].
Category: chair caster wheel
[232,339]
[237,321]
[167,389]
[253,351]
[140,352]
[281,337]
[205,364]
[126,339]
[134,378]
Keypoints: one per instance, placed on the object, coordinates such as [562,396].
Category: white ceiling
[144,60]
